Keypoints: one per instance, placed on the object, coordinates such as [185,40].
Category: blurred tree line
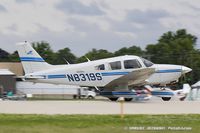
[172,48]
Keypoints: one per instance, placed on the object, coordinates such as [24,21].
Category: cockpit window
[130,64]
[100,67]
[146,62]
[115,65]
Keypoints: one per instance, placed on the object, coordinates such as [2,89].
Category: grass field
[96,123]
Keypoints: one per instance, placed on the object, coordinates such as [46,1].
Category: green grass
[94,123]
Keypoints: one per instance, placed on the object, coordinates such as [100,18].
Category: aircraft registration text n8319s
[84,77]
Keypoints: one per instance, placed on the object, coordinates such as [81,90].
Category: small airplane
[113,74]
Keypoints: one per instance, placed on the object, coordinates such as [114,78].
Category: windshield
[146,62]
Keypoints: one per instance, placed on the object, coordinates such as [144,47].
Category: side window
[130,64]
[115,65]
[100,67]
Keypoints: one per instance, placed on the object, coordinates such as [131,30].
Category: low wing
[134,78]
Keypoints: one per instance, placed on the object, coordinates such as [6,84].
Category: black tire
[182,99]
[128,99]
[166,98]
[74,96]
[90,97]
[113,98]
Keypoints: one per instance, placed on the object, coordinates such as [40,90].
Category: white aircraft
[117,73]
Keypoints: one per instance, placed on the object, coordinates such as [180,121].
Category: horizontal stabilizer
[31,77]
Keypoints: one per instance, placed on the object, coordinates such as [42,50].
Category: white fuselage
[93,74]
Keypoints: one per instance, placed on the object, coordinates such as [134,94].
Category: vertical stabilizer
[30,59]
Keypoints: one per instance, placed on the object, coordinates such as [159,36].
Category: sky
[102,24]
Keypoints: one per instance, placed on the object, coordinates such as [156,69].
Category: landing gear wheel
[90,97]
[182,99]
[128,99]
[113,99]
[166,98]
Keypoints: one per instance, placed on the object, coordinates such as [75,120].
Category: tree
[64,55]
[45,51]
[172,47]
[181,34]
[134,50]
[175,48]
[4,55]
[14,57]
[95,55]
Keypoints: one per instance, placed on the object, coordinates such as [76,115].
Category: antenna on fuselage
[66,61]
[87,58]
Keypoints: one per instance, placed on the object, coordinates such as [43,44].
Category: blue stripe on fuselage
[113,73]
[169,71]
[32,59]
[125,73]
[56,76]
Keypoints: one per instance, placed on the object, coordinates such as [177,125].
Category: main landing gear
[126,99]
[166,98]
